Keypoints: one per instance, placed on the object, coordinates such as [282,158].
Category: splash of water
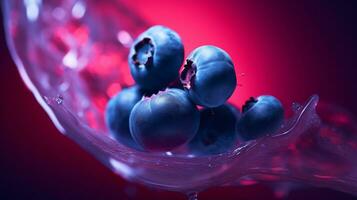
[82,55]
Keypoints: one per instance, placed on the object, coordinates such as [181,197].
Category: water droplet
[70,59]
[32,9]
[242,74]
[59,99]
[168,153]
[78,10]
[124,38]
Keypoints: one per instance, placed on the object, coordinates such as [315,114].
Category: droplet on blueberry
[217,132]
[209,76]
[164,121]
[260,116]
[156,57]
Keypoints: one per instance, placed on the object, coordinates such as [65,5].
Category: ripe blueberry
[217,132]
[209,76]
[164,121]
[118,112]
[260,116]
[156,57]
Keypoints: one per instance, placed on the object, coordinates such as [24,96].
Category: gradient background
[290,49]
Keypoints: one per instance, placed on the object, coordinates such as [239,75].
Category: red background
[290,49]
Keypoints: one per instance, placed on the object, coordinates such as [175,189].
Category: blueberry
[156,57]
[164,121]
[217,132]
[259,117]
[209,76]
[118,112]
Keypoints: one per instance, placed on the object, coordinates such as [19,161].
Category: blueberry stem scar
[188,72]
[248,104]
[144,51]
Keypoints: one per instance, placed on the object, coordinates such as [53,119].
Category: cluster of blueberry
[160,113]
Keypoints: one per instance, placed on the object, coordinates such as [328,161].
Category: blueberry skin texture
[209,76]
[217,132]
[259,117]
[156,57]
[117,115]
[164,121]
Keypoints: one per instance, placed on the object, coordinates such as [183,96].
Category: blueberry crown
[188,72]
[144,51]
[248,104]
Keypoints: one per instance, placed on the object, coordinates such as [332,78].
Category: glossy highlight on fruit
[117,114]
[209,76]
[156,57]
[217,132]
[164,121]
[260,116]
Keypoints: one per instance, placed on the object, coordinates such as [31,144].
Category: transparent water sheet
[72,56]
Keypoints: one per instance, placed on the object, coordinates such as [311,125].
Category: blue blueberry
[156,57]
[164,121]
[259,117]
[217,132]
[118,112]
[209,76]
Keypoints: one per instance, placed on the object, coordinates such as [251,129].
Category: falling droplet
[59,99]
[192,196]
